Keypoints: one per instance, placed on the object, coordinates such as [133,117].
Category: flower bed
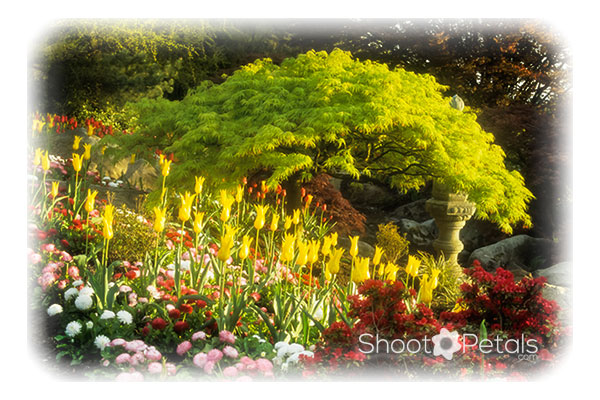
[228,284]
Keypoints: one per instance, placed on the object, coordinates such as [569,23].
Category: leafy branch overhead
[323,112]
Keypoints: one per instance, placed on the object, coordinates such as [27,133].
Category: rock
[564,298]
[142,175]
[521,251]
[362,195]
[130,197]
[364,249]
[560,274]
[477,233]
[414,211]
[420,234]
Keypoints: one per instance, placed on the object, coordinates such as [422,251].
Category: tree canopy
[331,112]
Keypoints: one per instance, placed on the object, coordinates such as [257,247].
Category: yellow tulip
[107,222]
[334,238]
[313,251]
[77,162]
[166,167]
[239,194]
[45,161]
[426,289]
[185,210]
[199,184]
[226,202]
[245,249]
[87,154]
[103,150]
[159,219]
[302,258]
[37,158]
[259,221]
[333,265]
[161,159]
[327,242]
[377,256]
[309,198]
[274,222]
[226,243]
[435,272]
[263,186]
[76,141]
[412,267]
[54,191]
[198,219]
[39,126]
[90,201]
[390,271]
[90,130]
[353,245]
[287,248]
[132,159]
[296,217]
[381,270]
[361,270]
[288,222]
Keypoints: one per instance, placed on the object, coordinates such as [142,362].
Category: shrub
[450,279]
[391,242]
[133,236]
[509,307]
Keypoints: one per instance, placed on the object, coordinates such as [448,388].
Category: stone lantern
[451,211]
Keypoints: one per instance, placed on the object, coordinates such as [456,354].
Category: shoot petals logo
[445,343]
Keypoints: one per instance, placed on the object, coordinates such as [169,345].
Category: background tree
[324,112]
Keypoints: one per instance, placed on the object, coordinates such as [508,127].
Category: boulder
[142,175]
[521,251]
[362,195]
[560,274]
[420,234]
[414,211]
[564,298]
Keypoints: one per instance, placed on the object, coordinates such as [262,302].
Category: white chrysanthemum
[86,291]
[101,341]
[84,302]
[125,317]
[73,328]
[54,309]
[78,282]
[70,293]
[107,314]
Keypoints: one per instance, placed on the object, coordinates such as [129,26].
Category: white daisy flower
[54,309]
[84,302]
[73,328]
[101,341]
[107,314]
[70,293]
[86,291]
[125,317]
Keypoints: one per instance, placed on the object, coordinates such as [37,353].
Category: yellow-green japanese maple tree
[323,112]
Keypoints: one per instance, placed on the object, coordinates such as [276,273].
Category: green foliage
[89,67]
[449,280]
[391,242]
[329,112]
